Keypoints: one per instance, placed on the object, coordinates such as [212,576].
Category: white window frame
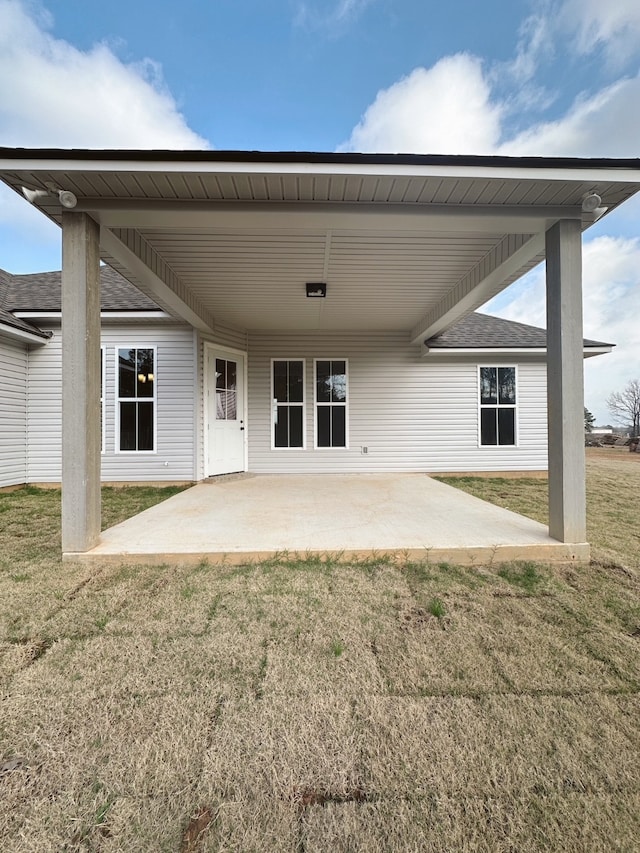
[497,405]
[303,405]
[316,404]
[120,400]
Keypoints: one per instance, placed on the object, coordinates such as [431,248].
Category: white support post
[565,388]
[80,383]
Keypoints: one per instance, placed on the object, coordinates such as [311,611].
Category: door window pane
[226,394]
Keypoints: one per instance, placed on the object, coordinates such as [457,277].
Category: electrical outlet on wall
[364,450]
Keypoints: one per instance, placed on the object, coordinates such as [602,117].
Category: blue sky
[555,77]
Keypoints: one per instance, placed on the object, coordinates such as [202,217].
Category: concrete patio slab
[238,520]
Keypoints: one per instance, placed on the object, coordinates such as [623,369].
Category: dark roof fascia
[229,156]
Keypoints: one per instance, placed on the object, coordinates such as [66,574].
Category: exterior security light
[32,196]
[67,199]
[591,202]
[316,290]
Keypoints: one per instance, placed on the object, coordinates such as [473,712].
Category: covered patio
[399,244]
[236,520]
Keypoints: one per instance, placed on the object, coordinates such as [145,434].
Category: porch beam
[287,216]
[80,383]
[502,265]
[154,277]
[565,389]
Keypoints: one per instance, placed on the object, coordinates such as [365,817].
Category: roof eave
[588,351]
[577,168]
[19,334]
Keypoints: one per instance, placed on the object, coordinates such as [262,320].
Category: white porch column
[80,382]
[565,389]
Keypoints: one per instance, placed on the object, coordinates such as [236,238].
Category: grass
[303,705]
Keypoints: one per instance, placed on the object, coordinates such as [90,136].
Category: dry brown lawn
[308,706]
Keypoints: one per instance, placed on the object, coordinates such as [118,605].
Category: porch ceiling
[404,243]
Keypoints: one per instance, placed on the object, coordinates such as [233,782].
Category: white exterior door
[225,413]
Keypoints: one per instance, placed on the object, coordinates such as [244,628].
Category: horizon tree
[589,420]
[624,406]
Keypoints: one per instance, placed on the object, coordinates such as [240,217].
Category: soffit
[257,280]
[328,188]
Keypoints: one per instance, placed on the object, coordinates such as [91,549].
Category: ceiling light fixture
[316,289]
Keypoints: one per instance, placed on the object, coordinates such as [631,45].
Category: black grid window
[497,406]
[331,403]
[136,399]
[288,403]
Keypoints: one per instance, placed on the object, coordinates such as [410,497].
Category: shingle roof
[482,331]
[42,292]
[7,318]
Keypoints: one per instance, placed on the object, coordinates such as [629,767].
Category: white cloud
[54,95]
[611,284]
[343,13]
[613,25]
[534,42]
[444,109]
[606,124]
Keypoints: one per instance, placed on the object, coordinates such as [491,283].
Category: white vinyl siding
[410,413]
[174,458]
[13,413]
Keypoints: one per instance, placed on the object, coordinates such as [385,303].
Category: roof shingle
[483,331]
[42,292]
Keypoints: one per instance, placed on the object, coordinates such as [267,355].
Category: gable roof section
[483,331]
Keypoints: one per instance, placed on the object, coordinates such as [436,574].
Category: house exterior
[396,407]
[313,287]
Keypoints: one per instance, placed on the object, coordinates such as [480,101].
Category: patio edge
[560,552]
